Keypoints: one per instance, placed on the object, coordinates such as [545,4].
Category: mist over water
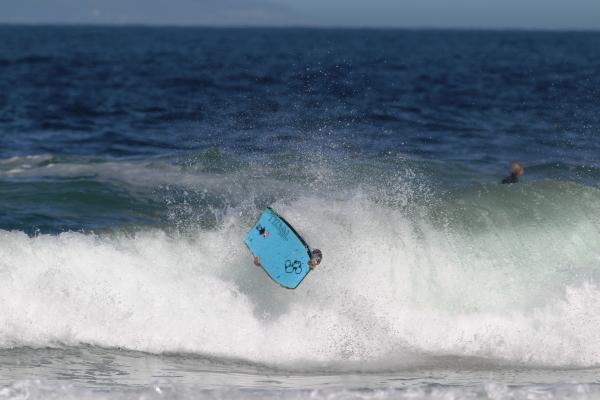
[128,183]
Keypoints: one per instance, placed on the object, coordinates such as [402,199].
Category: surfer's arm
[257,261]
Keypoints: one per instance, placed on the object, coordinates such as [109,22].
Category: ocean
[134,159]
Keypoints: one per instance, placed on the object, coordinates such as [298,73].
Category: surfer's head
[315,257]
[517,169]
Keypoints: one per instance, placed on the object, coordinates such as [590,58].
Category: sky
[494,14]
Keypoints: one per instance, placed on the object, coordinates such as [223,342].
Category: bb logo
[295,266]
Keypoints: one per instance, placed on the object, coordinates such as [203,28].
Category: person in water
[315,259]
[516,170]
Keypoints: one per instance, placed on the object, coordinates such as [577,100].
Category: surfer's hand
[257,261]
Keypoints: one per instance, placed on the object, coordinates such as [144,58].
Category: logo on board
[262,231]
[293,266]
[282,230]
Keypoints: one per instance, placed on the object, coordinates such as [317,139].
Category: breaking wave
[505,274]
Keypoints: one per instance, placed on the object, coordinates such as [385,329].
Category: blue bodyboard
[283,253]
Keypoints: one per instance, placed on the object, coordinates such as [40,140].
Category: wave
[507,274]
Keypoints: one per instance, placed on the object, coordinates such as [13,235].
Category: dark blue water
[481,98]
[133,160]
[467,102]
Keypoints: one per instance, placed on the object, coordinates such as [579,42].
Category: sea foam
[393,289]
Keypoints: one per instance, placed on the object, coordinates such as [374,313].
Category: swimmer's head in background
[316,255]
[517,169]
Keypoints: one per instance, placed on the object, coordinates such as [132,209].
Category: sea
[133,160]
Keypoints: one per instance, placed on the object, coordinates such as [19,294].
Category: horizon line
[299,26]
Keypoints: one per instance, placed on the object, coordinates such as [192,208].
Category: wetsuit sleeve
[512,178]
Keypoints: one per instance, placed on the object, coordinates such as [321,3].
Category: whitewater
[504,274]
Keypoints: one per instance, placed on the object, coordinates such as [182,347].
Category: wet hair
[517,168]
[317,255]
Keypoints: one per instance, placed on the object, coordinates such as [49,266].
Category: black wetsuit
[512,178]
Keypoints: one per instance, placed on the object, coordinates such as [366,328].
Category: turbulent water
[133,161]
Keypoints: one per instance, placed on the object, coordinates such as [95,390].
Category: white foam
[389,292]
[35,389]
